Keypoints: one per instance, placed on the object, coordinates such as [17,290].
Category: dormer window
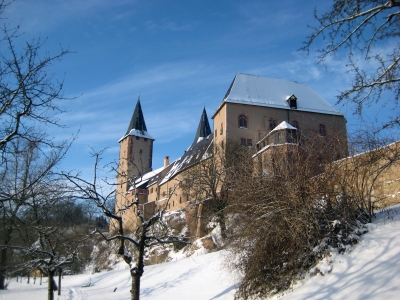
[292,101]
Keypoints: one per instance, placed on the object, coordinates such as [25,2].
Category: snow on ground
[196,277]
[370,271]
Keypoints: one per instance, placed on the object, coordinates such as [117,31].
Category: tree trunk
[3,260]
[221,217]
[52,286]
[199,232]
[135,292]
[137,272]
[59,281]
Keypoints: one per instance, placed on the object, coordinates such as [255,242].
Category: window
[170,191]
[221,130]
[137,138]
[322,129]
[246,142]
[215,132]
[164,194]
[292,101]
[145,139]
[140,151]
[242,121]
[272,123]
[180,199]
[296,124]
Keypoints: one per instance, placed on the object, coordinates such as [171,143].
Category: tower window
[272,124]
[322,129]
[242,121]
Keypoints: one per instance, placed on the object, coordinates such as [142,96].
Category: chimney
[166,161]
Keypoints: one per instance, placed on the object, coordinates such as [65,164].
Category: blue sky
[179,55]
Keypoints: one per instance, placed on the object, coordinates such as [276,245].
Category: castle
[257,112]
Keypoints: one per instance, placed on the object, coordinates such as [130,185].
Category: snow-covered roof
[272,92]
[138,133]
[137,126]
[197,152]
[272,145]
[284,125]
[146,177]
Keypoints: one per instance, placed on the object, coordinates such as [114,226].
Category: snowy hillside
[369,271]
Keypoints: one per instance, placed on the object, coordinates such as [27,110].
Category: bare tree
[53,249]
[207,184]
[281,216]
[28,191]
[29,94]
[362,176]
[368,28]
[149,230]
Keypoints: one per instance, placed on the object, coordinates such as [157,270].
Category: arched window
[272,123]
[242,121]
[322,129]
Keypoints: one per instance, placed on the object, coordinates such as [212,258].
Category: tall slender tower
[135,152]
[203,130]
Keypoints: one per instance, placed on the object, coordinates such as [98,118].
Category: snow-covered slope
[370,271]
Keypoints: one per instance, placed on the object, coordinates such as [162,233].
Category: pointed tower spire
[137,121]
[204,129]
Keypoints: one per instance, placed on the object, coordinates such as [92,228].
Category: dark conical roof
[137,121]
[204,129]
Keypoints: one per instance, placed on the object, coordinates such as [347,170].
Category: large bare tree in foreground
[368,31]
[150,230]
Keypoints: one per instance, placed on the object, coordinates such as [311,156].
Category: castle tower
[203,130]
[135,151]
